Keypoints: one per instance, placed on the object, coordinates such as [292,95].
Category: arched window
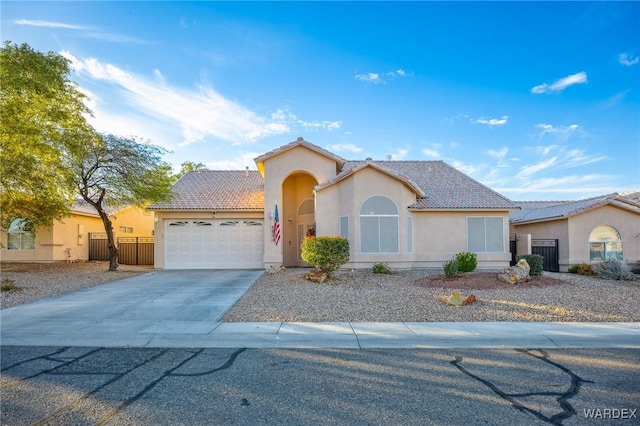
[307,207]
[604,244]
[378,226]
[21,235]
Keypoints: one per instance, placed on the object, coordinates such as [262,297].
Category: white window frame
[380,218]
[19,239]
[483,249]
[607,244]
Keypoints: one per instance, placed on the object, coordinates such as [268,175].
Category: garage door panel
[202,244]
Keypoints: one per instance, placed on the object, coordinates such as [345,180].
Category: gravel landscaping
[415,295]
[37,281]
[420,295]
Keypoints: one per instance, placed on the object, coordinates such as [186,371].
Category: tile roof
[437,186]
[216,190]
[444,186]
[531,211]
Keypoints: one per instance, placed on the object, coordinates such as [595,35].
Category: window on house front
[378,226]
[604,244]
[307,207]
[126,229]
[485,234]
[344,227]
[409,234]
[21,235]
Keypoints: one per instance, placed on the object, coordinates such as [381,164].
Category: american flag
[275,229]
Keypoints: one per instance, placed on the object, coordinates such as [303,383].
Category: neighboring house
[68,239]
[405,213]
[591,230]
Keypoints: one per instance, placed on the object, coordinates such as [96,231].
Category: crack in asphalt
[117,376]
[562,397]
[83,397]
[47,371]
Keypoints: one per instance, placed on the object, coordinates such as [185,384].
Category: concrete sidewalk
[351,335]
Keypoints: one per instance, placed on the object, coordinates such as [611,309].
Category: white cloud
[528,170]
[345,147]
[561,84]
[431,153]
[377,78]
[559,133]
[493,121]
[199,113]
[245,159]
[468,169]
[399,154]
[499,154]
[628,60]
[575,186]
[372,77]
[47,24]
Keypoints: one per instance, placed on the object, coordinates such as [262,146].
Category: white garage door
[213,244]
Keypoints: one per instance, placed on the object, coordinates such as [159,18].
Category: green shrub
[450,268]
[535,261]
[581,269]
[8,285]
[325,253]
[467,262]
[381,268]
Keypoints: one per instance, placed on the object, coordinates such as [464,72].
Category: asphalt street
[228,386]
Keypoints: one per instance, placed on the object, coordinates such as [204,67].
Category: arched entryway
[298,215]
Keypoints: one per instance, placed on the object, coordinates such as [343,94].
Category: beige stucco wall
[436,237]
[573,233]
[72,233]
[276,170]
[439,236]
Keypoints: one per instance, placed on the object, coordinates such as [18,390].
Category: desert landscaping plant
[325,253]
[581,269]
[535,261]
[381,268]
[467,262]
[8,285]
[450,268]
[612,269]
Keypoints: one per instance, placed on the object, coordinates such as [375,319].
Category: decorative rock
[275,269]
[316,276]
[457,299]
[516,274]
[469,300]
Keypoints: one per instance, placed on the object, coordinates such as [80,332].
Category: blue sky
[537,100]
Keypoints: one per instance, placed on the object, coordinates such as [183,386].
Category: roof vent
[368,160]
[246,171]
[389,157]
[300,138]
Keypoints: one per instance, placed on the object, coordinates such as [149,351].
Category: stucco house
[405,213]
[68,239]
[590,230]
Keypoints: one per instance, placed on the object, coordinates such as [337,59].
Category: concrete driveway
[129,312]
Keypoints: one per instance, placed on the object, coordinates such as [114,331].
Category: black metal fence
[548,249]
